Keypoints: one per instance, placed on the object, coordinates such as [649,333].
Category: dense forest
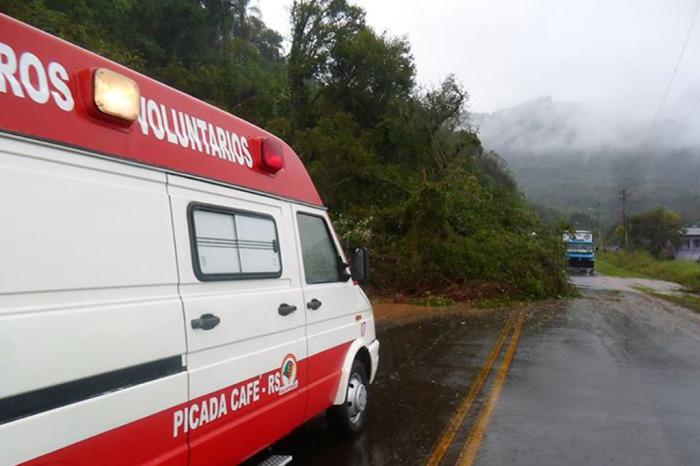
[395,162]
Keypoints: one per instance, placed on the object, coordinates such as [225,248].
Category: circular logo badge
[289,374]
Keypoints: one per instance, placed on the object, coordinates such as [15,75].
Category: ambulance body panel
[168,294]
[88,300]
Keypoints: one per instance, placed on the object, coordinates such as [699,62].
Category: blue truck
[580,251]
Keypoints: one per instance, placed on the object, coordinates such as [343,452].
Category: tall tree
[317,26]
[366,72]
[658,231]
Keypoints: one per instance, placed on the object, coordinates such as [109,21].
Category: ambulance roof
[46,93]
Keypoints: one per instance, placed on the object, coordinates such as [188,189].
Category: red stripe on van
[228,439]
[53,101]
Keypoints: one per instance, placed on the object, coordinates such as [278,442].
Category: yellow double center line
[471,447]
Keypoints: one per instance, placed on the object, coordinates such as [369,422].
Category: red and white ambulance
[171,289]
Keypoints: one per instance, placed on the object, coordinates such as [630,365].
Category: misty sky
[612,55]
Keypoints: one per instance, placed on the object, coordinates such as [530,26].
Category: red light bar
[270,153]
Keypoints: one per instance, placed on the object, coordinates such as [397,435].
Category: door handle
[314,304]
[205,322]
[285,309]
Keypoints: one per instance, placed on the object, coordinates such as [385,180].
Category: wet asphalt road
[612,377]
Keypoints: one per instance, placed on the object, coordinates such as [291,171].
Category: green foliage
[367,73]
[317,27]
[215,50]
[395,163]
[432,301]
[657,231]
[606,265]
[642,264]
[686,300]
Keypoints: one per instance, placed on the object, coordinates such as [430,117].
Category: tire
[348,419]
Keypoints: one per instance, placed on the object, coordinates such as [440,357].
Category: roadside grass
[481,303]
[686,300]
[484,303]
[641,265]
[439,302]
[606,267]
[430,300]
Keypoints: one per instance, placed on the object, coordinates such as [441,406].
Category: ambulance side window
[321,259]
[228,245]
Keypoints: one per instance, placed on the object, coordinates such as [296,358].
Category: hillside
[565,157]
[388,156]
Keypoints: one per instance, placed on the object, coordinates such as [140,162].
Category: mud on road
[611,377]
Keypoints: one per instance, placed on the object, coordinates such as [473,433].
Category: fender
[355,346]
[350,356]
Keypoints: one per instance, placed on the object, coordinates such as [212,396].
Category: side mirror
[359,265]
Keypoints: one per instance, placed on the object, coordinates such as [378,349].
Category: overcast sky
[613,55]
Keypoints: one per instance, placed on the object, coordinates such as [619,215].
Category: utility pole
[625,222]
[594,217]
[599,236]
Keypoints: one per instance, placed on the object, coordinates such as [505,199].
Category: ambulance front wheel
[348,419]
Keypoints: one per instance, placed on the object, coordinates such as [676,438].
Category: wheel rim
[357,398]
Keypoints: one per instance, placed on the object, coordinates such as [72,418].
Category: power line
[675,71]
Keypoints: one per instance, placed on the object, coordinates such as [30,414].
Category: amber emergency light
[116,95]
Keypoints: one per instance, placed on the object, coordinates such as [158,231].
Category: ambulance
[171,288]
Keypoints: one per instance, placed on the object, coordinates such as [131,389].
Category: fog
[604,65]
[547,127]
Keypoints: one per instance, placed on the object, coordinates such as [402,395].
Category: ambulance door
[330,299]
[245,320]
